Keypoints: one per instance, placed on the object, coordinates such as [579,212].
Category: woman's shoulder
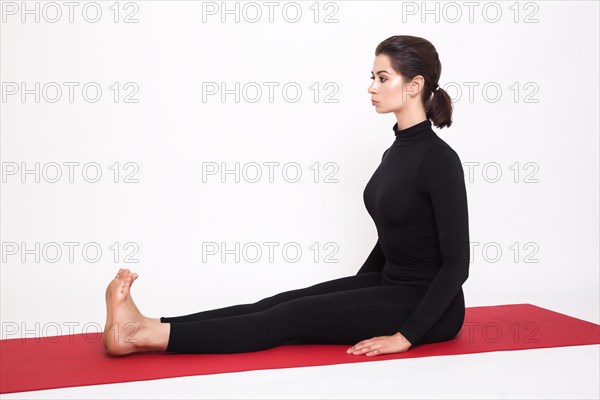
[439,150]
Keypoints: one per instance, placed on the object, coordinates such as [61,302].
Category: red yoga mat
[79,360]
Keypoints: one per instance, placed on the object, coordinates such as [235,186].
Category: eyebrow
[383,70]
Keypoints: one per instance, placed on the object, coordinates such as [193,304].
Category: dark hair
[411,56]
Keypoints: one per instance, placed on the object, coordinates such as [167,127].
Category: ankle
[152,335]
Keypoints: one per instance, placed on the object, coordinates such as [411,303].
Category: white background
[170,133]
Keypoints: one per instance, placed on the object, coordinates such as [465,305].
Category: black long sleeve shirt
[417,199]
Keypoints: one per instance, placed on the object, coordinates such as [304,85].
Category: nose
[371,89]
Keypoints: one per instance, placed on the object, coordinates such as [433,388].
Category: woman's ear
[419,84]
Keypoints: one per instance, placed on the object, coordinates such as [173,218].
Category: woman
[408,291]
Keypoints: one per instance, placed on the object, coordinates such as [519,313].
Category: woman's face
[388,89]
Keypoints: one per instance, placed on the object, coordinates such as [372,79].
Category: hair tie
[436,88]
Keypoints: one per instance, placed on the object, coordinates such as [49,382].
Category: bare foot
[126,330]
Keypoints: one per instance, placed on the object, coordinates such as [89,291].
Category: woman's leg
[345,283]
[342,317]
[127,330]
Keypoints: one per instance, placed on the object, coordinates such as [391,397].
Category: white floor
[564,372]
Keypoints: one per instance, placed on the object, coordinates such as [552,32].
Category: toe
[127,281]
[125,289]
[123,273]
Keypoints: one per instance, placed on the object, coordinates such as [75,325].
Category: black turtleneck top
[418,201]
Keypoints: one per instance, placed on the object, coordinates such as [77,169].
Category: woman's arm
[442,177]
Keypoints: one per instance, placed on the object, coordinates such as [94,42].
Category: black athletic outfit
[410,283]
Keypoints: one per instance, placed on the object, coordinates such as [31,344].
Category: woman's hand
[381,345]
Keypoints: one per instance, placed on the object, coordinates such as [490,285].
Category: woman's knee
[266,303]
[331,286]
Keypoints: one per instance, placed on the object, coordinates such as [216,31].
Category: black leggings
[340,311]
